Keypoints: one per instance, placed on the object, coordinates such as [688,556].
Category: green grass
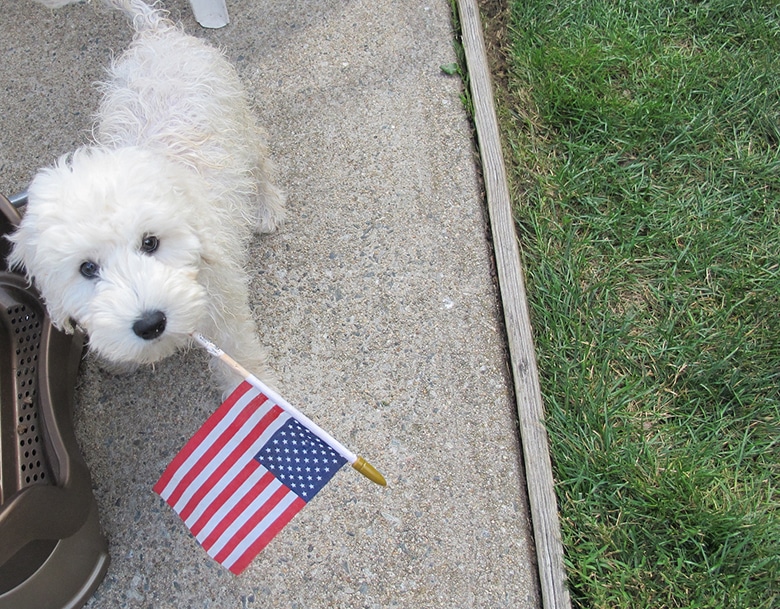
[643,141]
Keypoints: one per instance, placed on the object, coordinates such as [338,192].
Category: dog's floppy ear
[22,249]
[24,257]
[24,242]
[27,236]
[21,259]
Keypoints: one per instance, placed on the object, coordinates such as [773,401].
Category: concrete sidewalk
[377,303]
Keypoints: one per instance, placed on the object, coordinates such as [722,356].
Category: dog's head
[111,241]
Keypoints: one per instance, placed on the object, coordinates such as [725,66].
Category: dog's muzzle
[150,325]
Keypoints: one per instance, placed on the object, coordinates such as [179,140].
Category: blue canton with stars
[299,459]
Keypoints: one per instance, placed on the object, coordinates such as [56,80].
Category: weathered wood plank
[539,477]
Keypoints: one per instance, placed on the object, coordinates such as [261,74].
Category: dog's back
[175,95]
[171,91]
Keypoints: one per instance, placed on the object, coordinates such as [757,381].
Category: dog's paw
[269,221]
[270,211]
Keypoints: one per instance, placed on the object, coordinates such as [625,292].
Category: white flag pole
[357,462]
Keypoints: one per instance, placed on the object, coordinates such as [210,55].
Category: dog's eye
[149,244]
[90,269]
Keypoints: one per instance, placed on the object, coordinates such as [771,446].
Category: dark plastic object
[52,553]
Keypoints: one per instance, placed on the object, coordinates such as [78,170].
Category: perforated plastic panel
[23,458]
[25,327]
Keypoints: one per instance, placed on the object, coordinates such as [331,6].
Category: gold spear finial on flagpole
[358,463]
[369,471]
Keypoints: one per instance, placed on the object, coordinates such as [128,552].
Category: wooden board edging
[530,410]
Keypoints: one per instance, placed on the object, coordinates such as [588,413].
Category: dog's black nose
[150,325]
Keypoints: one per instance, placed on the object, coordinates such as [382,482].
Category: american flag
[244,475]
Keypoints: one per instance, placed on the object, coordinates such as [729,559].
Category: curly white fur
[141,237]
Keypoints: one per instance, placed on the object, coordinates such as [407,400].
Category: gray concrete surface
[377,303]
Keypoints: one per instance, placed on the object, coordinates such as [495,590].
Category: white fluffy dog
[140,239]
